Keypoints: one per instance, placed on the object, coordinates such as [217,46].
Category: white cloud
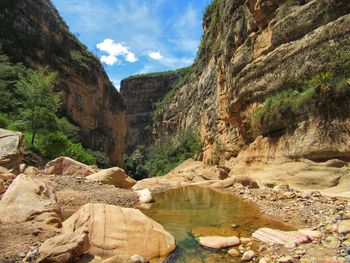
[155,55]
[114,50]
[109,60]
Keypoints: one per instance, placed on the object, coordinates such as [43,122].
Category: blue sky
[136,36]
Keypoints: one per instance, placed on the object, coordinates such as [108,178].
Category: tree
[40,103]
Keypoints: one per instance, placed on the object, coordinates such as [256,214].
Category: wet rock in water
[248,255]
[28,199]
[113,176]
[233,252]
[145,196]
[11,150]
[64,248]
[217,242]
[268,235]
[117,231]
[66,166]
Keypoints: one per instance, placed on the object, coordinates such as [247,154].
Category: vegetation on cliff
[29,104]
[164,155]
[324,95]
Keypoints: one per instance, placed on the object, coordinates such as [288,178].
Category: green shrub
[322,95]
[169,152]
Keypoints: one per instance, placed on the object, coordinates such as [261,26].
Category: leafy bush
[169,152]
[322,95]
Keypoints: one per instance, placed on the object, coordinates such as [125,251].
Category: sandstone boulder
[6,175]
[274,236]
[217,242]
[243,180]
[11,149]
[113,176]
[28,198]
[117,231]
[64,248]
[66,166]
[145,196]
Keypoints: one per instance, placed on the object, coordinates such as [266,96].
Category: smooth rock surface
[27,199]
[64,248]
[217,242]
[113,176]
[120,231]
[66,166]
[11,149]
[273,236]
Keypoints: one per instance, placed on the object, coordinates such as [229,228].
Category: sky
[136,36]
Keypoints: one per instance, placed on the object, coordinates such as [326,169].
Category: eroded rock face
[113,176]
[141,93]
[41,38]
[63,248]
[11,149]
[117,231]
[66,166]
[29,199]
[252,51]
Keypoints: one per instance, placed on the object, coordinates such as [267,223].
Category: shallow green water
[189,211]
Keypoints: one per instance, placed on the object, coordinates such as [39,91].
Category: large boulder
[11,149]
[116,231]
[66,166]
[113,176]
[64,248]
[26,199]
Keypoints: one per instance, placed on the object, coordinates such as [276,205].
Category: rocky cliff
[142,93]
[252,50]
[32,32]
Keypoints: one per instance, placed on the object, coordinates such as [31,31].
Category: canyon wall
[249,51]
[141,93]
[32,32]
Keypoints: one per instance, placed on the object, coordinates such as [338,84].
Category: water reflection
[189,211]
